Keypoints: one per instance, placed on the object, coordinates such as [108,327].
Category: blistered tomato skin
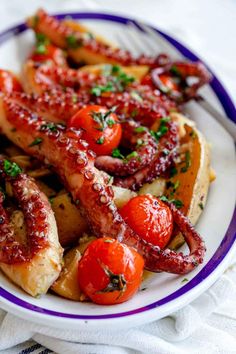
[101,128]
[150,218]
[110,272]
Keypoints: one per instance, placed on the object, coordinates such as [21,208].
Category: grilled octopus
[89,188]
[34,262]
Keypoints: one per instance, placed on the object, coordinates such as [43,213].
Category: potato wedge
[122,196]
[193,184]
[67,283]
[71,225]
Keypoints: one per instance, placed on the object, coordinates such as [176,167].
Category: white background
[206,26]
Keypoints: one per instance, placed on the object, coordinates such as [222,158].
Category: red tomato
[110,272]
[9,82]
[101,128]
[49,52]
[150,218]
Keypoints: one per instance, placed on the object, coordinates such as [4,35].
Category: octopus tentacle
[171,261]
[140,140]
[87,186]
[33,261]
[167,151]
[35,208]
[183,71]
[141,102]
[83,45]
[77,171]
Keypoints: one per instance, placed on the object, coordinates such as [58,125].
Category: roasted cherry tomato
[9,82]
[101,128]
[47,52]
[110,272]
[150,218]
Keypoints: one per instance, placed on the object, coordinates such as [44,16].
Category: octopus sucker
[35,263]
[88,188]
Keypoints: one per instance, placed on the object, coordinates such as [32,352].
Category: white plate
[162,293]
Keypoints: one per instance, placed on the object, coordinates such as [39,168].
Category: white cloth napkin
[208,325]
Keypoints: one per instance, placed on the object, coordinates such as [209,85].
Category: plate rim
[228,241]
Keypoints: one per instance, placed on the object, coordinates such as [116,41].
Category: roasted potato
[67,284]
[71,225]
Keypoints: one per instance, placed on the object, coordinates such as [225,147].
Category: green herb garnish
[173,171]
[140,129]
[73,42]
[50,126]
[132,155]
[175,71]
[201,206]
[41,42]
[187,162]
[100,140]
[11,168]
[117,80]
[37,141]
[103,119]
[178,203]
[185,280]
[116,153]
[162,130]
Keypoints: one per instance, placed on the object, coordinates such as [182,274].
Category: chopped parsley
[173,185]
[37,141]
[187,162]
[185,280]
[193,134]
[99,89]
[131,155]
[173,171]
[177,202]
[140,129]
[116,153]
[108,241]
[175,71]
[41,42]
[162,130]
[201,206]
[117,81]
[11,168]
[134,113]
[50,126]
[104,120]
[100,140]
[73,42]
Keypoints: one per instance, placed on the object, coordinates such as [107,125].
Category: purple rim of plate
[230,236]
